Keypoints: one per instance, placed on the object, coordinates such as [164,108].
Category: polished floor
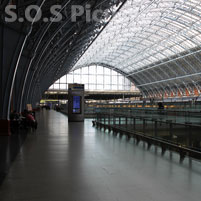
[76,162]
[9,148]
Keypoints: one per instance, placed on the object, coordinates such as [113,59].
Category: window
[63,86]
[77,78]
[56,86]
[85,71]
[63,79]
[99,79]
[95,78]
[70,78]
[99,70]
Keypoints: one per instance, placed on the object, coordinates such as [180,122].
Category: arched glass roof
[147,37]
[145,32]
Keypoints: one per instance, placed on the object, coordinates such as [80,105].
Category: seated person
[14,116]
[30,120]
[14,121]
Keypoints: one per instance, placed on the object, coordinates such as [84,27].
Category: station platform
[76,162]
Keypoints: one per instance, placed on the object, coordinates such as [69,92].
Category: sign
[76,87]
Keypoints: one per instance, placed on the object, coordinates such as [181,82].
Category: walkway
[76,162]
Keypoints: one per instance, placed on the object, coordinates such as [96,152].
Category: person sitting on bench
[31,121]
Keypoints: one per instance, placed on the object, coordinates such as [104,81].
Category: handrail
[165,144]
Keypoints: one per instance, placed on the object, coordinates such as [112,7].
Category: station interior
[100,100]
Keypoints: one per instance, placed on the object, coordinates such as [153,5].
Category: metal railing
[176,130]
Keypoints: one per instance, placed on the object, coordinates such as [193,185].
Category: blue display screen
[77,104]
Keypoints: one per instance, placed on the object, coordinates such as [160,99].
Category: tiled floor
[76,162]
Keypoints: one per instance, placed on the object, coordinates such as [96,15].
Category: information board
[77,104]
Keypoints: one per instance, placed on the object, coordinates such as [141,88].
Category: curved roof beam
[40,69]
[63,50]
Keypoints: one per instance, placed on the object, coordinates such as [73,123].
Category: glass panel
[92,70]
[121,80]
[56,86]
[99,79]
[107,87]
[85,79]
[77,72]
[92,79]
[86,87]
[107,80]
[114,87]
[63,86]
[69,78]
[85,70]
[99,70]
[100,87]
[114,73]
[77,79]
[107,71]
[63,79]
[120,87]
[92,87]
[114,79]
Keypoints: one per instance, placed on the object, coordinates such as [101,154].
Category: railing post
[155,128]
[189,126]
[134,123]
[170,129]
[144,125]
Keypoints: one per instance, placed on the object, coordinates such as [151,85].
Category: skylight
[145,32]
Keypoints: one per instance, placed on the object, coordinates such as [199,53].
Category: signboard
[77,104]
[76,87]
[29,107]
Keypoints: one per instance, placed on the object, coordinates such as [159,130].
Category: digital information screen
[77,104]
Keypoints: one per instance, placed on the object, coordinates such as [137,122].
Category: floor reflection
[9,148]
